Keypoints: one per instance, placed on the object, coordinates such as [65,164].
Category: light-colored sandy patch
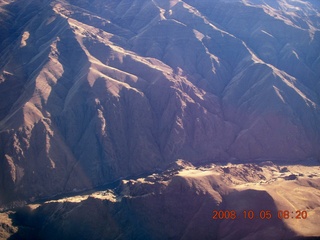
[6,226]
[24,38]
[298,197]
[73,199]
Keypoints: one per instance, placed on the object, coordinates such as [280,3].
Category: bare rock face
[94,91]
[181,203]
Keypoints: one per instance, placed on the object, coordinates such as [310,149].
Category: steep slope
[180,203]
[94,91]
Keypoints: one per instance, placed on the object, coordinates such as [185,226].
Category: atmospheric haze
[146,119]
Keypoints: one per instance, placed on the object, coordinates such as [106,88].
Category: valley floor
[233,201]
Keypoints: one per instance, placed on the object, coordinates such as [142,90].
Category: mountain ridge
[92,92]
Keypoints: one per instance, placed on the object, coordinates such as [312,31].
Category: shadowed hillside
[95,91]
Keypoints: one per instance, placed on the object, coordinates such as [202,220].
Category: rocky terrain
[179,204]
[96,91]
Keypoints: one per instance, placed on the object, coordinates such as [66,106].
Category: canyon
[94,93]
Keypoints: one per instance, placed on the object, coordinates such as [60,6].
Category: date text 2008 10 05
[263,214]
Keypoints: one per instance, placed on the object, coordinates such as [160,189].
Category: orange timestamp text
[262,214]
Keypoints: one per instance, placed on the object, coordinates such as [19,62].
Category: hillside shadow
[251,207]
